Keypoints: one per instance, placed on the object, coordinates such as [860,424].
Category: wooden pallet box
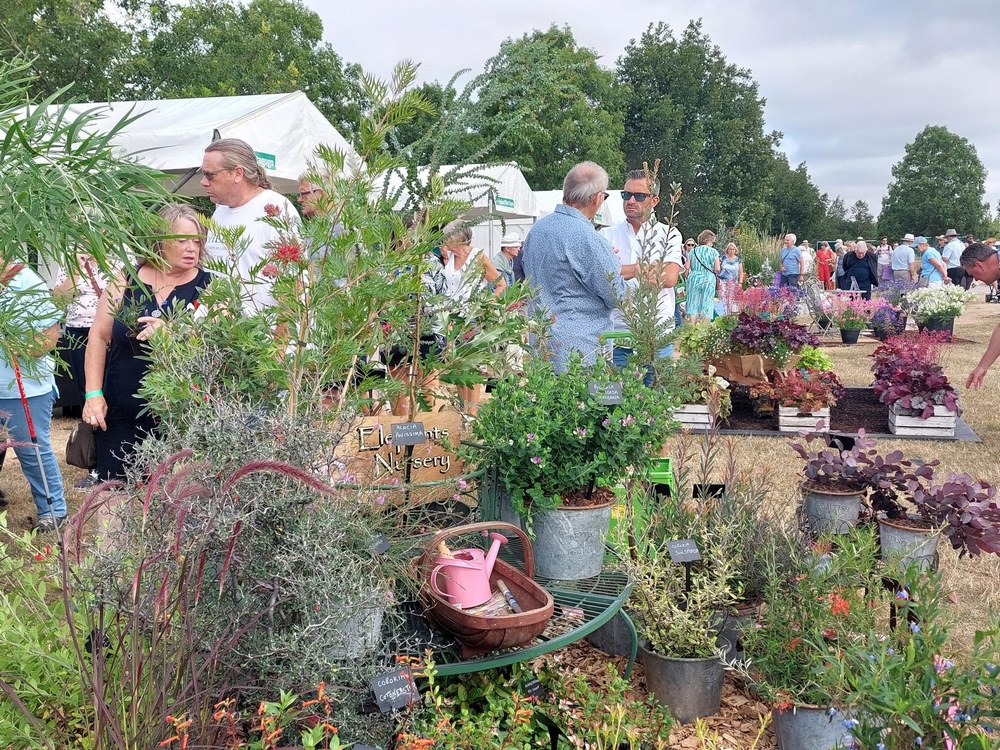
[694,417]
[939,424]
[789,420]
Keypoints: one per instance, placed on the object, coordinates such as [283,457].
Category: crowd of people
[862,265]
[578,275]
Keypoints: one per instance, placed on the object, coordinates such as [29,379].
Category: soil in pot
[690,688]
[909,540]
[830,510]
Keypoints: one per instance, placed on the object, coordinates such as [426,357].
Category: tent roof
[499,188]
[611,211]
[171,134]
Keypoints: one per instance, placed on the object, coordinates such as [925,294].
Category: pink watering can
[466,573]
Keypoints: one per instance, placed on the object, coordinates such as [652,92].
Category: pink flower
[270,271]
[380,499]
[272,210]
[536,459]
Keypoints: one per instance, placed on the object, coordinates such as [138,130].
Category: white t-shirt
[654,242]
[258,242]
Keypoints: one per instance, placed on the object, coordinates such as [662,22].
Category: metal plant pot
[830,511]
[690,688]
[809,728]
[569,542]
[903,543]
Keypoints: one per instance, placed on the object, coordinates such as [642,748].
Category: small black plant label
[609,394]
[533,688]
[683,550]
[394,690]
[408,433]
[380,545]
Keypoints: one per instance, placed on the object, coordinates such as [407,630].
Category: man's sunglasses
[639,197]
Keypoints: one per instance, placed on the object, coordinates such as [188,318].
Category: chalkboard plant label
[609,394]
[683,550]
[395,690]
[408,433]
[533,689]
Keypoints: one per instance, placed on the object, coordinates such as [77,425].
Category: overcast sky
[848,82]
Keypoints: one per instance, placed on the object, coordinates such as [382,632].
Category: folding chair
[812,293]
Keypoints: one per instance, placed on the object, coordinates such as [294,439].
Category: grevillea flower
[272,210]
[288,254]
[270,271]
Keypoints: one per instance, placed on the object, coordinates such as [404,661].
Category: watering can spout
[491,557]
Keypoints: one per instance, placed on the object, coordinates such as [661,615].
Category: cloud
[848,83]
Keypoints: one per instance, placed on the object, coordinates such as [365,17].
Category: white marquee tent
[492,189]
[611,211]
[171,134]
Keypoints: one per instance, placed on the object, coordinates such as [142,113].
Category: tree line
[542,100]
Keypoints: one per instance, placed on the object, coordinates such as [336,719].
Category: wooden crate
[694,417]
[940,424]
[790,421]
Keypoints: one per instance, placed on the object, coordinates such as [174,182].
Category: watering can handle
[437,569]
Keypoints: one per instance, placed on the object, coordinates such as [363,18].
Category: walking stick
[34,443]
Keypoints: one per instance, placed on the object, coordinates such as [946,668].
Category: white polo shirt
[654,242]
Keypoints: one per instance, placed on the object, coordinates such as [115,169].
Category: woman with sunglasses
[703,272]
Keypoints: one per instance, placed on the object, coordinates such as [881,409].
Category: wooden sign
[394,690]
[683,550]
[370,456]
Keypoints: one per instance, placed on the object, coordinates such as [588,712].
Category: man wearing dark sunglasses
[642,242]
[572,269]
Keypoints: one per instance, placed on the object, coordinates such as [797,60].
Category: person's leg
[620,355]
[40,409]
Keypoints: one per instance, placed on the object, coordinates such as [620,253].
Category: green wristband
[92,394]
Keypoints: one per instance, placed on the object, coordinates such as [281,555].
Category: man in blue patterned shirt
[572,269]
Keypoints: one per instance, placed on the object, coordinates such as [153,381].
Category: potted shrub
[554,443]
[806,619]
[963,509]
[804,398]
[851,315]
[760,346]
[679,628]
[935,309]
[904,690]
[837,479]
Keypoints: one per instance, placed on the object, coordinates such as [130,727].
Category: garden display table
[581,607]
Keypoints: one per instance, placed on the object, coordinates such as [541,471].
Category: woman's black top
[127,361]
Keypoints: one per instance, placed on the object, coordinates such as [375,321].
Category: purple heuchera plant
[917,389]
[760,336]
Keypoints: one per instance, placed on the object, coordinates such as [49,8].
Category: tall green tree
[220,48]
[862,221]
[551,106]
[797,204]
[72,42]
[704,118]
[939,183]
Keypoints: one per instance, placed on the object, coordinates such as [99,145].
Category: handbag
[81,447]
